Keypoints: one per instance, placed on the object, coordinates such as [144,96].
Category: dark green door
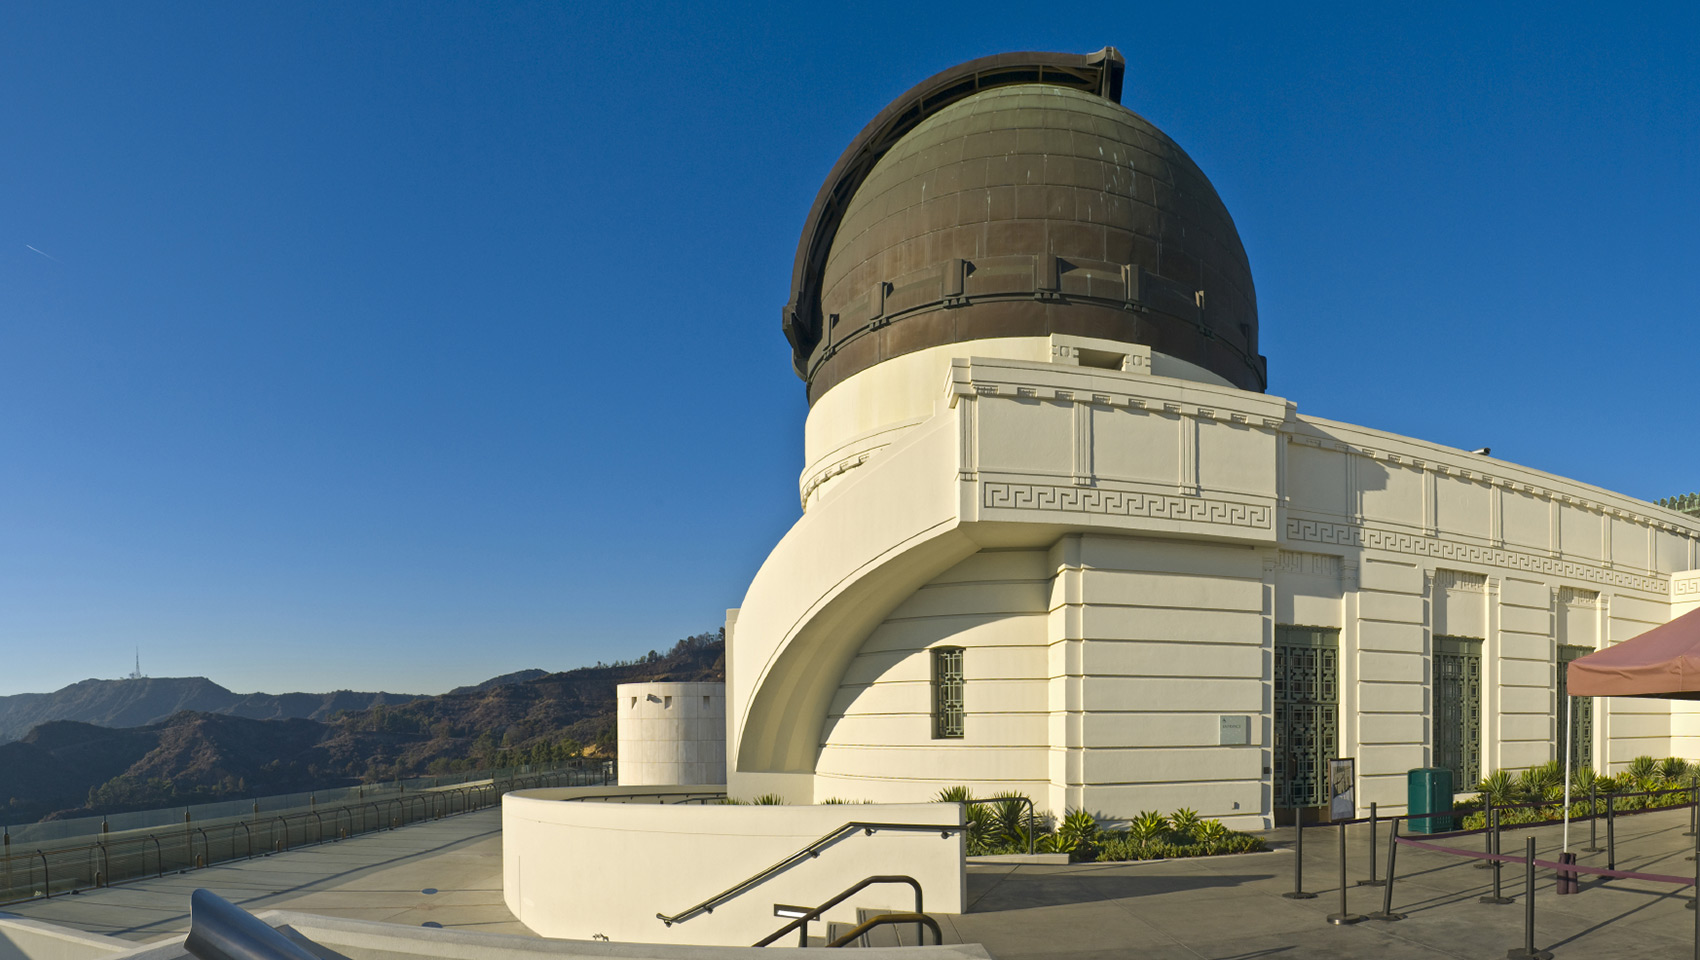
[1458,709]
[1307,713]
[1575,714]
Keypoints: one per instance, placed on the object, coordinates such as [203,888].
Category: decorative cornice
[1123,503]
[1486,475]
[1373,538]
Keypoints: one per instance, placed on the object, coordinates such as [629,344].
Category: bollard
[1527,951]
[1373,821]
[1344,917]
[1298,891]
[1498,895]
[1387,892]
[1593,821]
[1611,835]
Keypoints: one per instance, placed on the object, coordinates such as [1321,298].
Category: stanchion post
[1298,891]
[1696,898]
[1593,820]
[1527,951]
[1345,916]
[1488,812]
[1374,829]
[1611,834]
[1498,895]
[1693,807]
[1387,891]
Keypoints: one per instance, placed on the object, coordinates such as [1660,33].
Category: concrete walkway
[1230,908]
[445,872]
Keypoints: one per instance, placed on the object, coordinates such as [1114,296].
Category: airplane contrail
[47,255]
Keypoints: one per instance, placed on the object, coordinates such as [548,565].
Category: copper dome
[1013,196]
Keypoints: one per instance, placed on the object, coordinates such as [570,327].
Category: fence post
[1298,891]
[1345,916]
[1498,895]
[1374,829]
[1528,951]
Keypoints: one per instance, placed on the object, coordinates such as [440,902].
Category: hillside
[137,703]
[70,768]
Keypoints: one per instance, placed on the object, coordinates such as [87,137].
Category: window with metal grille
[947,693]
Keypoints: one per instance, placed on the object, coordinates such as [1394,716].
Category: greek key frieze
[1372,538]
[1123,503]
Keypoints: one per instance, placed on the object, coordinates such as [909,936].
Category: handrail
[1032,816]
[810,851]
[220,930]
[885,919]
[802,922]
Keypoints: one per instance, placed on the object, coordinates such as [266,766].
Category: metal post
[1374,822]
[1498,895]
[1488,818]
[1387,892]
[1593,821]
[1298,891]
[1528,951]
[1693,807]
[1697,896]
[1345,916]
[1611,834]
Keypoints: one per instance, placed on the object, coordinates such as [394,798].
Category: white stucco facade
[1115,551]
[671,733]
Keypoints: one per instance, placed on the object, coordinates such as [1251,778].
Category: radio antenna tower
[138,675]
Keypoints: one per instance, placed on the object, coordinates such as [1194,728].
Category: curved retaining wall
[587,870]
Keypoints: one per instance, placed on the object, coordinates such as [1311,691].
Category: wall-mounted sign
[1342,804]
[1236,731]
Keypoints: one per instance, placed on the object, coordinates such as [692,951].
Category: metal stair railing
[891,919]
[801,924]
[809,852]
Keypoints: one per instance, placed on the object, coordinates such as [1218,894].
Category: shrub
[1184,822]
[769,800]
[958,794]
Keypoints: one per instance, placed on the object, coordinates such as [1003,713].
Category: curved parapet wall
[589,870]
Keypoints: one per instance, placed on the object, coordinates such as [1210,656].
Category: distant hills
[137,703]
[77,766]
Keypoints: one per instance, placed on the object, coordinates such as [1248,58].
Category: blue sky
[401,345]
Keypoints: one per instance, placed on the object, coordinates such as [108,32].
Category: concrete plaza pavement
[1231,908]
[448,873]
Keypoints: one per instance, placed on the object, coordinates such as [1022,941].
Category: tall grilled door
[1458,709]
[1575,715]
[1307,713]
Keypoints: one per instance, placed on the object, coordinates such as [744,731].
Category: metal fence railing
[48,868]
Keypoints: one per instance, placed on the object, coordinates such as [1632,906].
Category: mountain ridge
[149,700]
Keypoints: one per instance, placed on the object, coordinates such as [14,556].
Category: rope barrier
[1561,867]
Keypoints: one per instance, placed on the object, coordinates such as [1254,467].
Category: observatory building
[1057,538]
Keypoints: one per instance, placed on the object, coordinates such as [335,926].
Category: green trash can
[1428,790]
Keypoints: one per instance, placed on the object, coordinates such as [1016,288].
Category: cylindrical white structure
[672,733]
